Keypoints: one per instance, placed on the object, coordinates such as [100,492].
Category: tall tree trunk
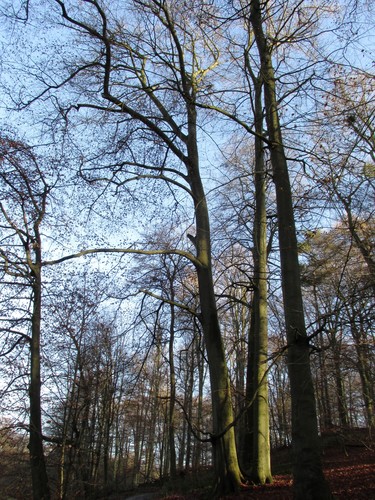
[339,383]
[172,380]
[363,364]
[228,475]
[324,397]
[37,460]
[197,356]
[258,434]
[309,481]
[187,81]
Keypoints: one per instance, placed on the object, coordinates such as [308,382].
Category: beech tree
[267,30]
[308,476]
[245,288]
[138,96]
[160,77]
[24,191]
[257,383]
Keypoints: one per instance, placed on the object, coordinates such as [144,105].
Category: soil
[350,471]
[348,460]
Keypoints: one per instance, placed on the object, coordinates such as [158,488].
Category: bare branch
[92,251]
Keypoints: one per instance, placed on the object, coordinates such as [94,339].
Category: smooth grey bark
[228,475]
[258,433]
[308,477]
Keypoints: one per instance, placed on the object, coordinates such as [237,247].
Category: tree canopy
[186,237]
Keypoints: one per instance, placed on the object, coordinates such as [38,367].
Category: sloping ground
[349,466]
[349,469]
[351,473]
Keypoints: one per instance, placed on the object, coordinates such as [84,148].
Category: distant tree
[90,373]
[336,272]
[346,175]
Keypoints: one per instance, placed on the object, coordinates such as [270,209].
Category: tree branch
[93,251]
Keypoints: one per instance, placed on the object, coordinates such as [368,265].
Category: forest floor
[350,471]
[348,460]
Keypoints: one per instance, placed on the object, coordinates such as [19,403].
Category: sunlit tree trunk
[172,383]
[258,437]
[309,481]
[226,465]
[181,60]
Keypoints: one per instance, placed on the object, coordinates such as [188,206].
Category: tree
[24,194]
[257,367]
[346,174]
[261,22]
[308,477]
[245,226]
[166,71]
[337,272]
